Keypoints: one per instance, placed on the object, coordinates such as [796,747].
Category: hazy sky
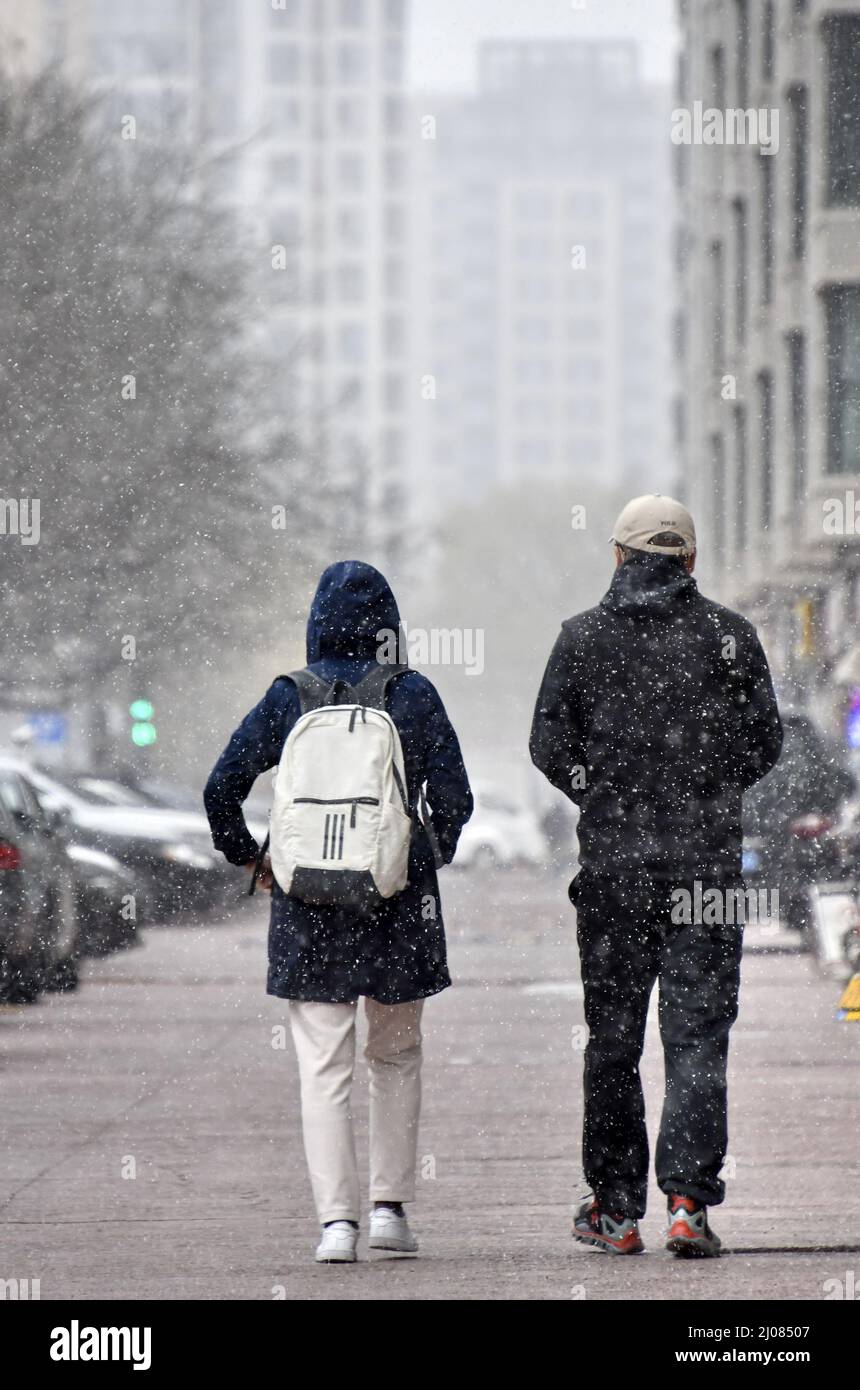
[445,32]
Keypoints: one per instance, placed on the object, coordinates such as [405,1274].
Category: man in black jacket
[656,712]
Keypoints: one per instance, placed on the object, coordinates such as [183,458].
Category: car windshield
[100,791]
[170,797]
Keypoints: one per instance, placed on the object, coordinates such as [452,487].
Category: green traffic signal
[141,709]
[143,734]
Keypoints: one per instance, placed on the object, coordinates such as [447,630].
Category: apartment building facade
[767,332]
[303,101]
[543,274]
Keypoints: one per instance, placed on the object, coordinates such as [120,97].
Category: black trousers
[627,940]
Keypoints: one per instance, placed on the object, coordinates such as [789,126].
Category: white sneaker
[388,1231]
[337,1246]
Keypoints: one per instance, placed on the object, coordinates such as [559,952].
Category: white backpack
[341,824]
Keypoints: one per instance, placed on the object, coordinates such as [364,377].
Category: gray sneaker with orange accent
[610,1231]
[689,1233]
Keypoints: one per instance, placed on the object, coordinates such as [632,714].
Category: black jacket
[328,954]
[656,711]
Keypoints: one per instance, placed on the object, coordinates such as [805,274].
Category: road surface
[151,1145]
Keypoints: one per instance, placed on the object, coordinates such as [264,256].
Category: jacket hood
[652,584]
[352,604]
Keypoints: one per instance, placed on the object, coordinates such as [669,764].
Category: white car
[501,832]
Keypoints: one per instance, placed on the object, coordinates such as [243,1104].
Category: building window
[350,223]
[739,220]
[742,52]
[394,169]
[533,454]
[394,334]
[765,399]
[679,424]
[797,406]
[680,161]
[392,60]
[531,371]
[350,173]
[718,77]
[351,116]
[717,299]
[392,392]
[741,462]
[768,40]
[718,502]
[533,204]
[284,113]
[842,42]
[350,395]
[394,278]
[679,336]
[766,187]
[349,283]
[284,171]
[351,13]
[351,62]
[395,222]
[798,107]
[579,410]
[285,63]
[394,112]
[843,380]
[285,225]
[352,343]
[584,371]
[533,330]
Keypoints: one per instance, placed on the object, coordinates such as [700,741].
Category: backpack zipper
[353,801]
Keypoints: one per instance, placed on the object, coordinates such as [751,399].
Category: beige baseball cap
[646,519]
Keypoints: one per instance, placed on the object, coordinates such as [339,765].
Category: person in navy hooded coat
[323,959]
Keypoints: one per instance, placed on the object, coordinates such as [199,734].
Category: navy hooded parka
[325,954]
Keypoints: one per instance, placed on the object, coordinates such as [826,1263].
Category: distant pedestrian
[355,901]
[557,826]
[656,712]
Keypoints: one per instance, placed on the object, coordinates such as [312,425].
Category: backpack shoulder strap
[371,690]
[314,692]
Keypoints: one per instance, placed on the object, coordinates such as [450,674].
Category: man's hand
[264,877]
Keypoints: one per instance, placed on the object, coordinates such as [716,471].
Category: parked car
[790,817]
[124,790]
[106,901]
[40,924]
[501,832]
[168,853]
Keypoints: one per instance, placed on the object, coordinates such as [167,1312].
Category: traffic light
[143,731]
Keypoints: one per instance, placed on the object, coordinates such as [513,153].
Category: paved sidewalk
[163,1063]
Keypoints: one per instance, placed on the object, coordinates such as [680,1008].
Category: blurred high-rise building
[542,268]
[768,332]
[303,102]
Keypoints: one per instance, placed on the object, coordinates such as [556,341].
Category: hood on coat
[352,605]
[652,584]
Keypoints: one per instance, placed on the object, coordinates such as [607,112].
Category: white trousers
[324,1036]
